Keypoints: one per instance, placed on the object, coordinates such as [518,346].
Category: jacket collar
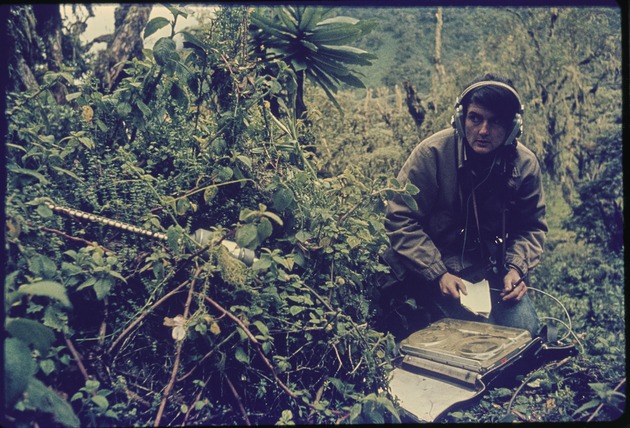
[462,157]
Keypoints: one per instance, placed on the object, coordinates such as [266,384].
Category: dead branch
[602,404]
[318,396]
[205,357]
[255,342]
[103,328]
[72,238]
[238,400]
[178,353]
[143,315]
[343,418]
[77,358]
[197,398]
[135,397]
[258,347]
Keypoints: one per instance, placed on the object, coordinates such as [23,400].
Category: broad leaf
[339,20]
[100,401]
[46,400]
[310,16]
[410,202]
[102,287]
[264,229]
[68,173]
[333,68]
[268,26]
[19,367]
[241,355]
[164,51]
[322,78]
[246,235]
[50,289]
[31,333]
[347,54]
[352,80]
[335,36]
[15,169]
[40,265]
[154,25]
[289,21]
[175,11]
[283,198]
[192,42]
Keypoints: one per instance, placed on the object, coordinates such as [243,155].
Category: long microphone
[200,236]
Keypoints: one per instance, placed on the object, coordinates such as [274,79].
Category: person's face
[484,132]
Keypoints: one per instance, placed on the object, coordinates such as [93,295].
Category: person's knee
[520,315]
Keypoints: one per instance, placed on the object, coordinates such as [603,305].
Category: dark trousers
[405,306]
[412,304]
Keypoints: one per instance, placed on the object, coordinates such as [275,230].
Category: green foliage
[376,134]
[94,402]
[186,141]
[21,364]
[605,396]
[136,331]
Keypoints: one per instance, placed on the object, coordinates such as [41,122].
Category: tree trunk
[48,26]
[414,104]
[438,72]
[26,51]
[49,23]
[301,111]
[127,43]
[34,32]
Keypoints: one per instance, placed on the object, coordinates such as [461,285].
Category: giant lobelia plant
[313,47]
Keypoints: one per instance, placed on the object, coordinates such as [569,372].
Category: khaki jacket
[429,242]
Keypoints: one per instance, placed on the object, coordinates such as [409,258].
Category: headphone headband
[517,125]
[490,83]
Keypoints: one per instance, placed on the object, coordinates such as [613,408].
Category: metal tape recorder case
[453,362]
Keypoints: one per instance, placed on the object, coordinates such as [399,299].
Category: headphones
[517,124]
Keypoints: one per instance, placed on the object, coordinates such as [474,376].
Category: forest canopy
[279,131]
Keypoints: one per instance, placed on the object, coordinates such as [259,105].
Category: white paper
[478,299]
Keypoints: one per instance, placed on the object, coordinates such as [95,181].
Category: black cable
[494,161]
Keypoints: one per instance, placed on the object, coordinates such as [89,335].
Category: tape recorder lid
[452,362]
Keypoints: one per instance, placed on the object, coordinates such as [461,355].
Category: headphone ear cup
[458,120]
[518,119]
[517,130]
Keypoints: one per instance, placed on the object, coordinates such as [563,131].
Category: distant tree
[36,37]
[573,86]
[598,216]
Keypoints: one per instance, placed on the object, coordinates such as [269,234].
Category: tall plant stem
[77,358]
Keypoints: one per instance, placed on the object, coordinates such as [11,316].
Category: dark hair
[500,101]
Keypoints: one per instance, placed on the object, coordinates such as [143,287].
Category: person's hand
[451,285]
[514,288]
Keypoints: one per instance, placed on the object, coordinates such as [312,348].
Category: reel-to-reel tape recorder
[453,361]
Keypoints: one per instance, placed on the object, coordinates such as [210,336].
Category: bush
[138,326]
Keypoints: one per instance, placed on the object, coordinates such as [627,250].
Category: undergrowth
[106,327]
